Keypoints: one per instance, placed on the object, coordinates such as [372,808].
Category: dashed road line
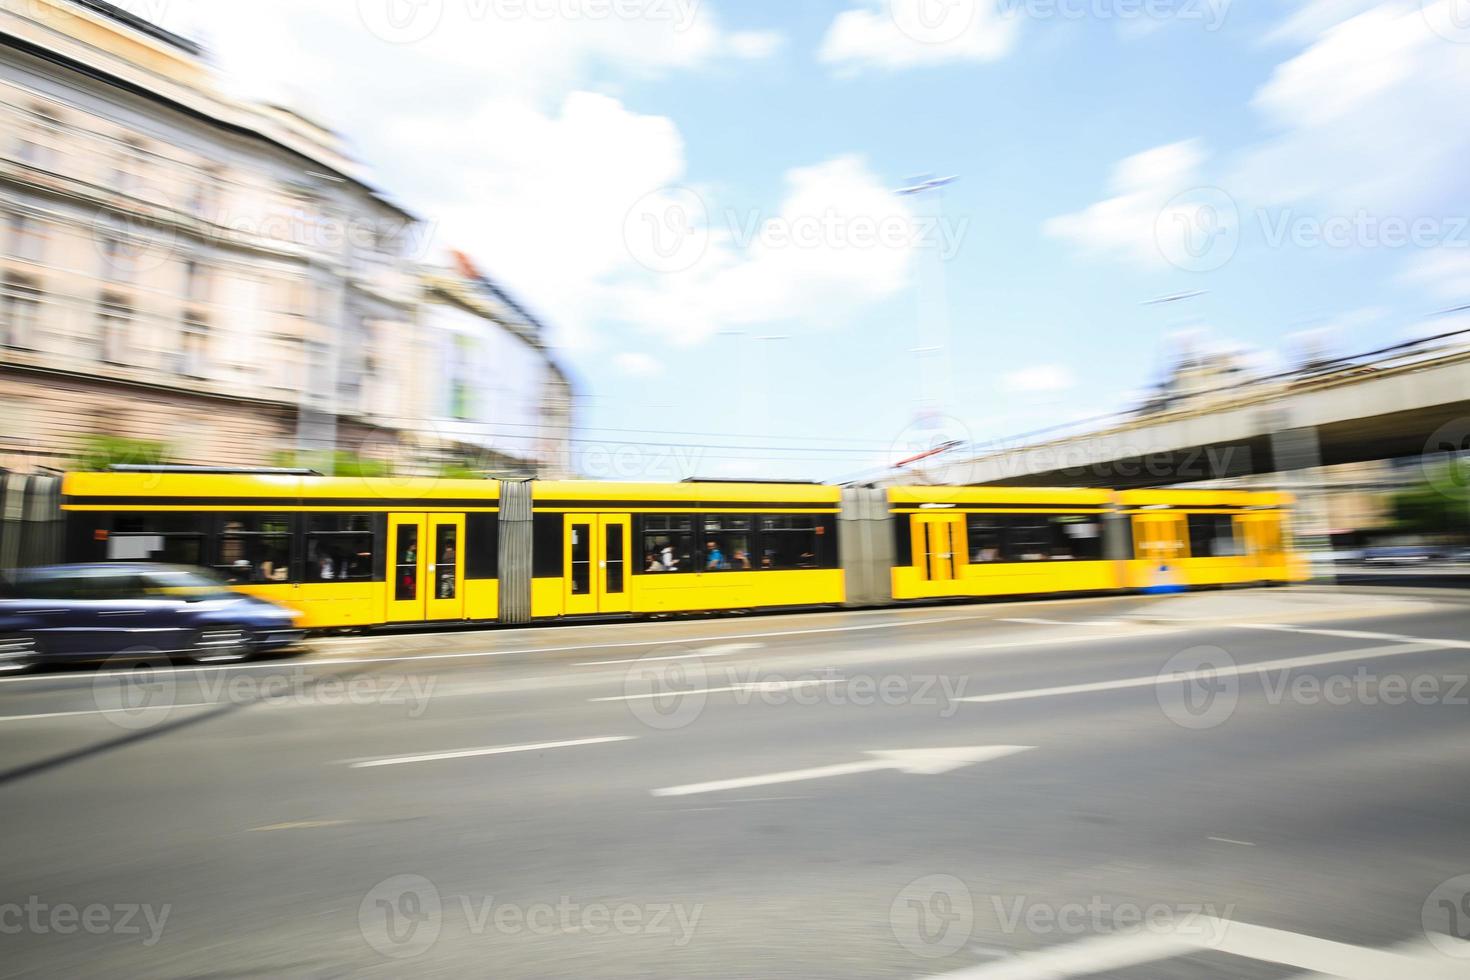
[1153,680]
[404,760]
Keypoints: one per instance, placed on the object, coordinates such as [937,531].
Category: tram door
[426,571]
[1263,539]
[1160,538]
[599,548]
[937,542]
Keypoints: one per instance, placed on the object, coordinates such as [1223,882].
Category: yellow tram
[355,552]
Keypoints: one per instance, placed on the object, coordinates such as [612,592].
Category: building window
[25,239]
[35,147]
[198,281]
[114,324]
[204,198]
[194,347]
[20,314]
[126,175]
[119,258]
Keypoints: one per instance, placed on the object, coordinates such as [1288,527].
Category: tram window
[1018,538]
[177,539]
[666,545]
[581,558]
[987,536]
[1077,538]
[798,542]
[1212,536]
[903,541]
[1030,539]
[446,549]
[482,547]
[614,553]
[406,563]
[728,544]
[548,532]
[339,548]
[255,548]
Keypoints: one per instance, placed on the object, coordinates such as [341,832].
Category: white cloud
[840,241]
[897,34]
[1444,272]
[1366,116]
[636,364]
[1127,224]
[1039,379]
[756,45]
[1313,17]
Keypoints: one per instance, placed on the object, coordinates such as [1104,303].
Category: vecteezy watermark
[1205,923]
[1199,230]
[632,462]
[1446,459]
[1446,917]
[412,21]
[940,447]
[403,917]
[1362,229]
[39,917]
[668,691]
[1199,688]
[1210,14]
[1450,19]
[137,690]
[935,916]
[670,230]
[1103,460]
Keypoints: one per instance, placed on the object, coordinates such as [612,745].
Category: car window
[68,585]
[186,584]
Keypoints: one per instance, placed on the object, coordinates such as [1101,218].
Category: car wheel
[222,645]
[18,651]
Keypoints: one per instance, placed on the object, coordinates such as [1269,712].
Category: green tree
[101,451]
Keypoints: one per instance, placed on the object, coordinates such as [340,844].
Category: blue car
[70,613]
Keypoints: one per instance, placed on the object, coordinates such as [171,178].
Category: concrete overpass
[1405,404]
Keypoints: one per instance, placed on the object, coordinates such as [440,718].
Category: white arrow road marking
[403,760]
[1322,957]
[915,762]
[1211,673]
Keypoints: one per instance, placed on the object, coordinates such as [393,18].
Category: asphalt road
[982,792]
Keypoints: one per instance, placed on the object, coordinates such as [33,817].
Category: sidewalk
[1296,605]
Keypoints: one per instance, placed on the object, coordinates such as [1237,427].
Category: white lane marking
[481,654]
[913,762]
[1080,959]
[1065,622]
[1154,680]
[755,687]
[403,760]
[111,711]
[1351,634]
[720,650]
[1323,957]
[1227,840]
[300,825]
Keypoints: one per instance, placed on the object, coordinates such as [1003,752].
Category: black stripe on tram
[543,506]
[401,503]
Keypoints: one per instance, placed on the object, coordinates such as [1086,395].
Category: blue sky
[1299,161]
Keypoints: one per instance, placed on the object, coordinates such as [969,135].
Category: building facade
[179,267]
